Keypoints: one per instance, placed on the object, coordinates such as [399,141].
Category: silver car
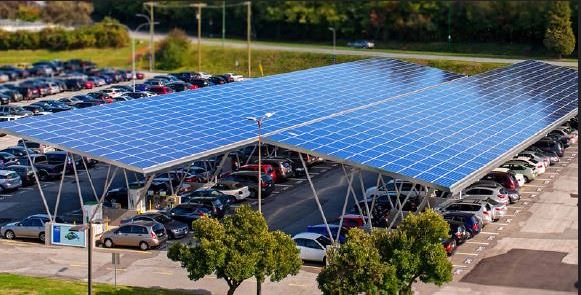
[30,227]
[513,195]
[475,207]
[9,180]
[485,192]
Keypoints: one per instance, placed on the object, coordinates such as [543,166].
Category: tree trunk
[232,290]
[258,287]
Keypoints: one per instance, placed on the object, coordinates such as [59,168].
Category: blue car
[322,230]
[141,87]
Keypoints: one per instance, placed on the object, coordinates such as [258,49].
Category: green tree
[239,248]
[68,13]
[415,250]
[559,36]
[356,267]
[173,50]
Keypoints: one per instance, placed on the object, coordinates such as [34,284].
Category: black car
[550,145]
[25,173]
[34,109]
[74,84]
[217,202]
[18,151]
[7,159]
[52,107]
[250,179]
[88,98]
[472,224]
[560,137]
[175,229]
[82,105]
[136,94]
[199,82]
[180,86]
[217,80]
[188,213]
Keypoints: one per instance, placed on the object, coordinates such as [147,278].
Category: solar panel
[445,134]
[150,134]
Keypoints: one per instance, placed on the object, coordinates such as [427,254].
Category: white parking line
[509,215]
[470,254]
[5,196]
[488,233]
[283,185]
[462,266]
[515,207]
[498,223]
[477,243]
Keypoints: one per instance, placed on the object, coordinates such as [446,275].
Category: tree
[173,50]
[68,13]
[415,250]
[356,267]
[559,36]
[239,248]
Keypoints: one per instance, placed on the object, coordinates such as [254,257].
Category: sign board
[62,234]
[115,258]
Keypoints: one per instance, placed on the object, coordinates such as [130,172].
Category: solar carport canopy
[151,134]
[451,135]
[392,117]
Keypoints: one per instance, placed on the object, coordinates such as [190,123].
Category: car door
[24,228]
[315,252]
[122,235]
[138,233]
[300,243]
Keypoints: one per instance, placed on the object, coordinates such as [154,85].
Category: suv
[188,213]
[142,234]
[31,227]
[250,179]
[9,180]
[471,222]
[174,229]
[513,195]
[505,178]
[476,207]
[499,194]
[216,201]
[550,145]
[24,172]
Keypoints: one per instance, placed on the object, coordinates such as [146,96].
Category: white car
[113,92]
[204,75]
[233,188]
[53,88]
[519,177]
[406,188]
[312,246]
[539,158]
[483,193]
[540,166]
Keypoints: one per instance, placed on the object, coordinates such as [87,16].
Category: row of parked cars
[467,213]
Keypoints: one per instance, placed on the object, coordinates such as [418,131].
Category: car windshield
[324,241]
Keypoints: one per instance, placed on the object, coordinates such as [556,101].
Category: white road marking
[283,185]
[477,243]
[488,233]
[498,223]
[469,254]
[463,266]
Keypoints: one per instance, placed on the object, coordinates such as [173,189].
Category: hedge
[104,34]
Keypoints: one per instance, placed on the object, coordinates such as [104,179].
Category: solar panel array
[444,134]
[149,134]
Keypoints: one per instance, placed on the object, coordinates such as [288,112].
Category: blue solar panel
[152,133]
[444,134]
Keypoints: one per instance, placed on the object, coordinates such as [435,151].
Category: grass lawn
[216,59]
[20,285]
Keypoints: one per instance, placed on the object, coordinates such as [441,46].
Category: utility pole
[199,18]
[223,22]
[248,31]
[334,45]
[449,25]
[151,31]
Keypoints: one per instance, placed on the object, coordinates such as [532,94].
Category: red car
[160,90]
[266,169]
[506,179]
[139,76]
[88,85]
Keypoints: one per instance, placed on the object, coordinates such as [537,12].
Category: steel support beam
[352,190]
[38,183]
[58,194]
[349,183]
[90,179]
[316,198]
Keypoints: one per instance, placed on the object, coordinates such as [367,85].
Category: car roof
[307,235]
[141,222]
[6,172]
[458,213]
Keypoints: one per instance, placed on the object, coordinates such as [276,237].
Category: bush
[173,50]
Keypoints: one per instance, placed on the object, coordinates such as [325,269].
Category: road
[358,52]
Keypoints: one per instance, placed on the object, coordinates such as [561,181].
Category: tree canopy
[559,37]
[237,249]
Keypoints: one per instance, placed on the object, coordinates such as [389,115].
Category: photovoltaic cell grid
[444,134]
[149,134]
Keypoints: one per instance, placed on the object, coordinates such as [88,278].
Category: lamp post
[151,58]
[334,44]
[259,123]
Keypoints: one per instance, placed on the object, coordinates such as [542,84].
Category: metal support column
[316,198]
[365,198]
[352,190]
[90,179]
[38,184]
[77,181]
[349,183]
[58,194]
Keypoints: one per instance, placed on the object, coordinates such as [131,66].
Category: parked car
[175,229]
[216,201]
[476,207]
[139,94]
[250,179]
[538,166]
[536,156]
[7,159]
[365,44]
[485,192]
[181,86]
[232,188]
[550,145]
[507,179]
[523,168]
[188,213]
[14,110]
[513,195]
[312,246]
[322,230]
[9,180]
[160,90]
[282,167]
[24,172]
[471,222]
[31,227]
[142,234]
[267,169]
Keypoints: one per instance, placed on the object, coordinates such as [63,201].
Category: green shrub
[173,50]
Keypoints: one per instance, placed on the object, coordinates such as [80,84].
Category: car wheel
[143,246]
[42,237]
[9,235]
[42,176]
[108,243]
[468,235]
[325,260]
[526,179]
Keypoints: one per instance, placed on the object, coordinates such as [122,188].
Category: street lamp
[334,44]
[150,36]
[259,123]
